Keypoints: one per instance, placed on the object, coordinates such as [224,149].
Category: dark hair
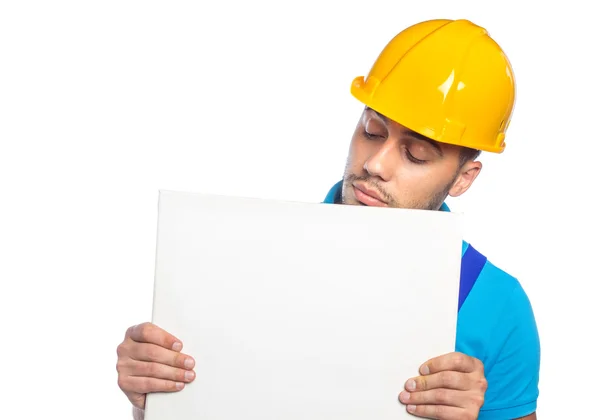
[467,154]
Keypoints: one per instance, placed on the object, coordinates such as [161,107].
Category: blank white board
[301,311]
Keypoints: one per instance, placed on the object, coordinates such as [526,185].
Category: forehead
[370,112]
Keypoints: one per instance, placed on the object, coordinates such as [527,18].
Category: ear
[466,177]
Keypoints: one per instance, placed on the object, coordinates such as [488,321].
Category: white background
[104,103]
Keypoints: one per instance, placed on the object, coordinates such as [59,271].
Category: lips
[367,196]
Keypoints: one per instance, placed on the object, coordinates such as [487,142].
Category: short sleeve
[513,377]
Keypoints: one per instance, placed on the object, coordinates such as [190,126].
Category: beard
[434,202]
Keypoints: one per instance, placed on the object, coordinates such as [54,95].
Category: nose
[383,160]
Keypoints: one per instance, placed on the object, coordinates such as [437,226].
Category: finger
[160,371]
[455,361]
[446,379]
[439,396]
[153,353]
[138,400]
[145,385]
[150,333]
[442,412]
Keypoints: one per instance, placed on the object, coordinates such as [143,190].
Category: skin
[402,168]
[388,165]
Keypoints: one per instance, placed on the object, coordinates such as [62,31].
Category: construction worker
[439,94]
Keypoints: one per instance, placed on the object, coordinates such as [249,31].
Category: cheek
[357,154]
[420,181]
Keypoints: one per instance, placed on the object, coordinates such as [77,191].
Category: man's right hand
[150,360]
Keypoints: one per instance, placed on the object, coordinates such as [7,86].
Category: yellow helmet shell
[445,79]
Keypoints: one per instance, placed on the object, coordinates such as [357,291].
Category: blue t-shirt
[496,325]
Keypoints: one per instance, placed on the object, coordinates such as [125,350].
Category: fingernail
[177,346]
[404,396]
[411,385]
[179,385]
[189,363]
[189,375]
[425,370]
[411,408]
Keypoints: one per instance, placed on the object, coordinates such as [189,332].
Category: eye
[411,157]
[372,129]
[371,136]
[414,159]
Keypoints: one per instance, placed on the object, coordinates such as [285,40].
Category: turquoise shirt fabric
[496,325]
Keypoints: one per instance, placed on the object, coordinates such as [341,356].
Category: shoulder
[497,325]
[333,193]
[500,296]
[495,295]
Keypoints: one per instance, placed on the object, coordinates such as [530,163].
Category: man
[439,93]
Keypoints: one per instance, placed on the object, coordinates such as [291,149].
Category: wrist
[138,413]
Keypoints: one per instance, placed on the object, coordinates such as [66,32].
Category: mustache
[351,178]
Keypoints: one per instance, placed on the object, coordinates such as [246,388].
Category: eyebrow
[413,134]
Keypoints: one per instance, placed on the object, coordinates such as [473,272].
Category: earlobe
[465,179]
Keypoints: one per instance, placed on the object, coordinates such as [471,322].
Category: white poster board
[301,311]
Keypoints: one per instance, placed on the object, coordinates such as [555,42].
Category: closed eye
[371,135]
[406,152]
[414,159]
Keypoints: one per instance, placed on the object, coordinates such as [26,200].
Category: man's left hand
[451,387]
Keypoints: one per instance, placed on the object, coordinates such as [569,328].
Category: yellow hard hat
[445,79]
